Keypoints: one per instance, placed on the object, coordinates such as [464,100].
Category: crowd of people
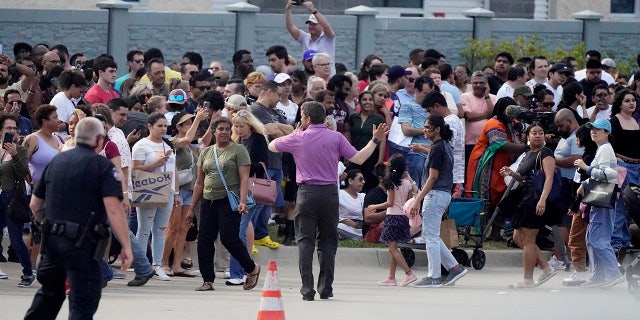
[350,150]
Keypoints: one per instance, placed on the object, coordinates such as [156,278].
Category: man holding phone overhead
[320,36]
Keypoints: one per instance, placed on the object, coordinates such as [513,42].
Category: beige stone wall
[563,9]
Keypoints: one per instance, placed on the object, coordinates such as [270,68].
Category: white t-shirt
[457,142]
[149,151]
[350,208]
[65,108]
[505,91]
[323,44]
[290,110]
[602,114]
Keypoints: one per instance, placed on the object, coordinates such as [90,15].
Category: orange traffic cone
[271,307]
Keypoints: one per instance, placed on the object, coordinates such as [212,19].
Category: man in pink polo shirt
[317,200]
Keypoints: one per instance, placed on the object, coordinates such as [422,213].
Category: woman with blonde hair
[315,85]
[253,82]
[156,104]
[250,132]
[127,86]
[380,92]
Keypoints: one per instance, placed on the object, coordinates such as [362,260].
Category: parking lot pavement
[482,294]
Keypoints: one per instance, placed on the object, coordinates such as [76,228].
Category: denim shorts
[185,196]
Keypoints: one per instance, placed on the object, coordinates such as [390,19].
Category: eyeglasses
[204,88]
[138,60]
[548,104]
[322,64]
[602,95]
[176,98]
[193,72]
[411,79]
[10,128]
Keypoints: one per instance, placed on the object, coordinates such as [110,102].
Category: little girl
[396,224]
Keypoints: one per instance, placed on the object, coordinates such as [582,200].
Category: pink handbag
[264,190]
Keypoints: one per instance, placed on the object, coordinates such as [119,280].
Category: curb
[380,257]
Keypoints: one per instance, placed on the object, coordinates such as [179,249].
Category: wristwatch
[376,141]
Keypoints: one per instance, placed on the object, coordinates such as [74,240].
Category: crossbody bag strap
[215,153]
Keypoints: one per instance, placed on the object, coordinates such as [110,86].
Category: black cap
[560,67]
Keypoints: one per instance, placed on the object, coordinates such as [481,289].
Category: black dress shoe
[140,280]
[326,296]
[308,296]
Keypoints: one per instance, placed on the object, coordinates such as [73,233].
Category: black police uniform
[73,185]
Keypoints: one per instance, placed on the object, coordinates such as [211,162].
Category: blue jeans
[154,221]
[132,220]
[261,220]
[621,236]
[433,207]
[604,265]
[235,268]
[140,263]
[15,234]
[415,165]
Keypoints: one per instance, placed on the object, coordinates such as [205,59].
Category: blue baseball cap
[308,55]
[600,124]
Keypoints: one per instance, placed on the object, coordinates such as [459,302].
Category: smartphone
[8,138]
[206,104]
[168,153]
[298,2]
[139,128]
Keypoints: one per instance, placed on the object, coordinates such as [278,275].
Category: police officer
[81,192]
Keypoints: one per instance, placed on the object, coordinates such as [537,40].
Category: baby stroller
[468,214]
[631,197]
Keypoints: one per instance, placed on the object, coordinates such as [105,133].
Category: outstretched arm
[293,30]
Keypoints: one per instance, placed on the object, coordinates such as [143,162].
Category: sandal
[207,286]
[522,285]
[186,263]
[252,280]
[183,273]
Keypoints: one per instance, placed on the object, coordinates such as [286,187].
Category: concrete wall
[215,35]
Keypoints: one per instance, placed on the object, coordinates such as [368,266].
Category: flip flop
[207,286]
[184,273]
[252,280]
[186,263]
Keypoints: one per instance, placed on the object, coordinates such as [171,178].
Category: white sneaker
[556,264]
[576,278]
[161,275]
[3,275]
[227,273]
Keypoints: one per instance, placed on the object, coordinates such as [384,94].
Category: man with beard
[105,69]
[156,73]
[21,86]
[592,79]
[340,85]
[566,153]
[502,63]
[242,64]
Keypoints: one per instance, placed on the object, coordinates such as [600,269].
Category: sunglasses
[204,88]
[602,95]
[146,96]
[548,104]
[138,60]
[176,98]
[411,79]
[193,72]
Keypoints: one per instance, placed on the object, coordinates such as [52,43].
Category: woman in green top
[215,212]
[14,167]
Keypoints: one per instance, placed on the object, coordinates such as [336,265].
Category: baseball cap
[608,63]
[560,67]
[236,101]
[600,124]
[395,72]
[522,91]
[308,55]
[312,19]
[177,96]
[180,118]
[281,78]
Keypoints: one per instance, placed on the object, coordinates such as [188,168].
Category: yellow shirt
[168,75]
